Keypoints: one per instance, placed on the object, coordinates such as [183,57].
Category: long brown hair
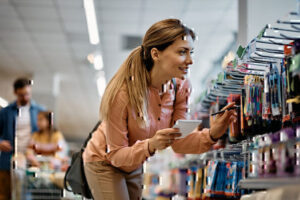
[135,71]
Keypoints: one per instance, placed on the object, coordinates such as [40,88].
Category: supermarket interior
[150,99]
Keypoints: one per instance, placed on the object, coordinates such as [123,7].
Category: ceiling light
[101,83]
[3,102]
[91,21]
[98,62]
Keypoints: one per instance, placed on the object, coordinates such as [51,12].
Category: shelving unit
[256,53]
[267,183]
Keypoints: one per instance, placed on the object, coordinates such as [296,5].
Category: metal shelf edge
[267,183]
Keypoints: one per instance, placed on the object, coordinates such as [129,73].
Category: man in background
[17,121]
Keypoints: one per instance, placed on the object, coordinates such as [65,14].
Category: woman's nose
[189,60]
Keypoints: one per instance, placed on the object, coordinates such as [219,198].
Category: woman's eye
[182,52]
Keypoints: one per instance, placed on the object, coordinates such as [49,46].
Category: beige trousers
[109,183]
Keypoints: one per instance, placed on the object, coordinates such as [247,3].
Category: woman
[47,141]
[138,110]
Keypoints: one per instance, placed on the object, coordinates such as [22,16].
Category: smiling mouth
[184,69]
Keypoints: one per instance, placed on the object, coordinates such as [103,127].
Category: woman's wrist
[151,149]
[211,137]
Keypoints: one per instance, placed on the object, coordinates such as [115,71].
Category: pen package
[211,177]
[235,127]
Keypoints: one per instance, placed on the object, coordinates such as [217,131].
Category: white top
[23,129]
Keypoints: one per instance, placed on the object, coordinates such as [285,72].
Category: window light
[101,83]
[98,62]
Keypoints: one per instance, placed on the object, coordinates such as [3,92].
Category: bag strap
[175,88]
[90,136]
[65,180]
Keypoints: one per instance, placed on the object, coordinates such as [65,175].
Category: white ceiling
[48,40]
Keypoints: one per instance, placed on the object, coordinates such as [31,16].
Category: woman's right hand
[163,138]
[222,121]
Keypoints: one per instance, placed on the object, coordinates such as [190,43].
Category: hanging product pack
[235,127]
[75,177]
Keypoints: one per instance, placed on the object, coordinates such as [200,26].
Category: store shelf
[267,183]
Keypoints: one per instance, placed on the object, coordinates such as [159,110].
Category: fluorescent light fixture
[3,102]
[98,62]
[101,83]
[91,21]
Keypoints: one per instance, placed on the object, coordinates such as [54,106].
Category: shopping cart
[40,186]
[34,183]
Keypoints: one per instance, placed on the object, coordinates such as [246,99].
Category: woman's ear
[154,54]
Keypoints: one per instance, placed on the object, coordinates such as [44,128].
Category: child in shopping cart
[47,143]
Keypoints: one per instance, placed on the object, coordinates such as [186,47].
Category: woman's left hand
[222,121]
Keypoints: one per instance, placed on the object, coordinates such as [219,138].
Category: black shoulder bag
[75,180]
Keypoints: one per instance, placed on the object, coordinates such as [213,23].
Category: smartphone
[186,126]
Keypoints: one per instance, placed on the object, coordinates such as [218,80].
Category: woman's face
[42,122]
[176,58]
